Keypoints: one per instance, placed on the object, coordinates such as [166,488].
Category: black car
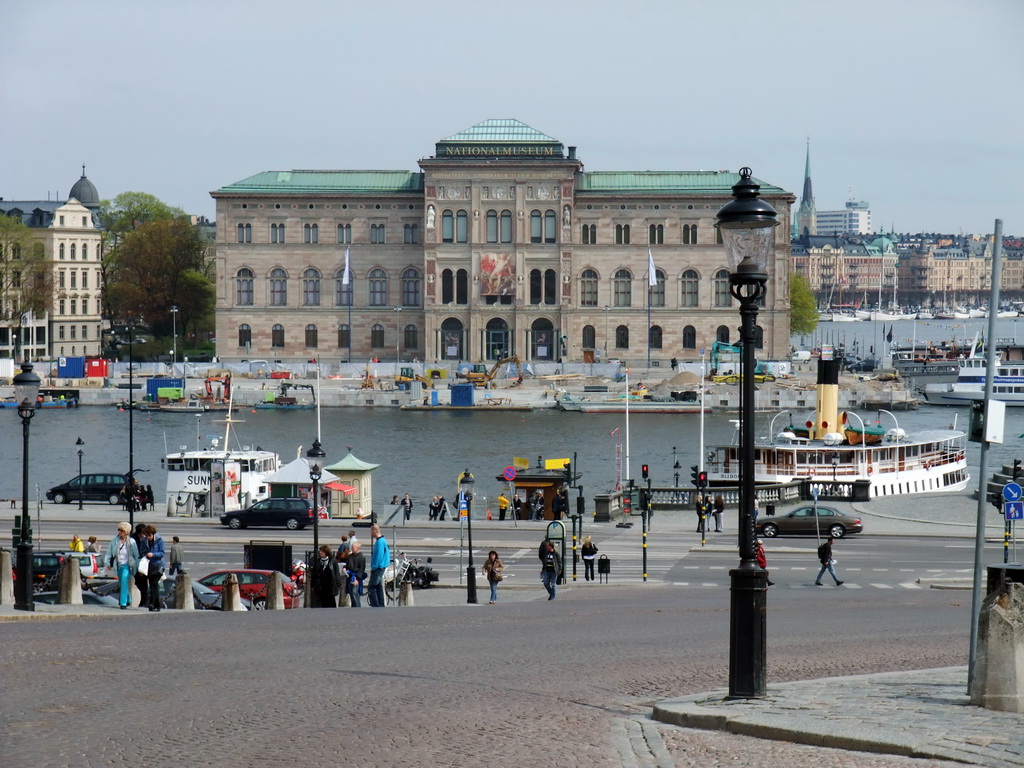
[292,512]
[853,365]
[94,487]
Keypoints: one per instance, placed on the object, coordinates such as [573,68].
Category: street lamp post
[316,458]
[26,390]
[80,443]
[466,482]
[675,466]
[747,226]
[131,429]
[174,333]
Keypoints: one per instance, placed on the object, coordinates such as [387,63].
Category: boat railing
[669,499]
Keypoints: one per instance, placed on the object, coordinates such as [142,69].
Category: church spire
[806,217]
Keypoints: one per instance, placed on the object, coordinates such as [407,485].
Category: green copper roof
[351,464]
[326,182]
[500,130]
[694,182]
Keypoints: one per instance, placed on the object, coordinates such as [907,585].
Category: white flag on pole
[344,278]
[652,275]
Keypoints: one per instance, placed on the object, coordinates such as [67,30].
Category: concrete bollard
[69,582]
[183,599]
[229,595]
[344,599]
[405,595]
[275,593]
[999,667]
[6,578]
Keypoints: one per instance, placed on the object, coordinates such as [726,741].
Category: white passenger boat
[829,454]
[969,387]
[209,481]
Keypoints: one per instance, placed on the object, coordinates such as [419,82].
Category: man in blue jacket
[154,552]
[380,559]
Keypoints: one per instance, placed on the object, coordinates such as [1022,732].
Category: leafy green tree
[25,277]
[131,210]
[803,312]
[157,265]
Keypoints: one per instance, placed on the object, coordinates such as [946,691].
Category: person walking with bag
[827,563]
[155,567]
[123,555]
[492,570]
[589,552]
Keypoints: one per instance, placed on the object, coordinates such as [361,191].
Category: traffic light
[695,475]
[702,480]
[644,473]
[568,472]
[995,498]
[1016,469]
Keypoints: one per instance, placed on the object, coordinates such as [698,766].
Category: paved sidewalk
[924,713]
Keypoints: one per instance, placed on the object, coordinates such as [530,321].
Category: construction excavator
[725,365]
[408,375]
[482,378]
[218,389]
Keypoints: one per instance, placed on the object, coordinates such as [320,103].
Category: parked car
[104,486]
[88,598]
[802,520]
[292,512]
[853,365]
[203,598]
[45,567]
[252,585]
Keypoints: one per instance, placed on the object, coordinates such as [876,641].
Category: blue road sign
[1014,510]
[1012,492]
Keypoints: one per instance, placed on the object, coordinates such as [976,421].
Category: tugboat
[846,457]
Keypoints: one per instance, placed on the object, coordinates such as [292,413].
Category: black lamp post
[316,458]
[79,442]
[466,482]
[675,466]
[131,430]
[747,226]
[26,390]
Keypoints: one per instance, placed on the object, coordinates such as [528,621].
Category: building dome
[85,192]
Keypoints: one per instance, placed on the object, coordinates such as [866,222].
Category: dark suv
[97,487]
[293,513]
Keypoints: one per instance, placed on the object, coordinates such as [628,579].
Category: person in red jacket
[762,560]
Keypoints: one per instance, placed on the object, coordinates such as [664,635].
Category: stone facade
[501,245]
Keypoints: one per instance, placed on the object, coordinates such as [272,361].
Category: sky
[913,106]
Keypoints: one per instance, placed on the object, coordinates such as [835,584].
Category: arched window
[277,337]
[411,281]
[447,227]
[721,289]
[244,335]
[412,338]
[277,233]
[344,234]
[241,233]
[658,289]
[654,337]
[542,343]
[378,234]
[689,234]
[62,250]
[722,334]
[343,290]
[492,226]
[689,285]
[622,234]
[447,286]
[589,340]
[462,287]
[311,337]
[536,286]
[656,234]
[73,247]
[550,287]
[378,288]
[412,234]
[622,288]
[311,234]
[588,234]
[588,288]
[451,338]
[718,236]
[689,337]
[550,226]
[506,227]
[758,337]
[244,287]
[278,288]
[85,249]
[311,288]
[536,227]
[377,336]
[462,227]
[622,337]
[344,337]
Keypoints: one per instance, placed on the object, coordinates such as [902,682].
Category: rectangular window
[85,332]
[85,279]
[85,306]
[60,279]
[74,306]
[60,332]
[74,279]
[74,332]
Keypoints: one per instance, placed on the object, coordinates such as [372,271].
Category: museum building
[500,245]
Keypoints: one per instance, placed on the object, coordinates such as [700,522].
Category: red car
[252,585]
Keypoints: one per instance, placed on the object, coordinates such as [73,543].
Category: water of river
[418,452]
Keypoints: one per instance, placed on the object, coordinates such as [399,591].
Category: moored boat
[824,458]
[969,387]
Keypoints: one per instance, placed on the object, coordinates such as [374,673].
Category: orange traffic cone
[489,514]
